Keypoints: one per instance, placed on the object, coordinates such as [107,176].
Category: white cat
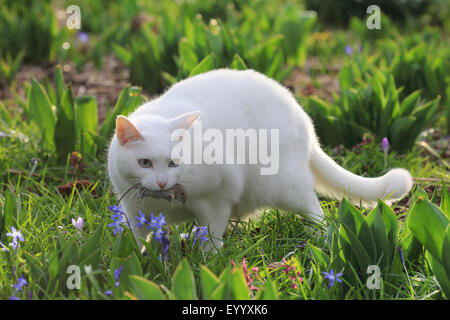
[141,150]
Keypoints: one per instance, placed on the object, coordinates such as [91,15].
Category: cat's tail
[333,181]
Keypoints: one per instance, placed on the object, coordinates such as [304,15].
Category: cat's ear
[126,131]
[185,120]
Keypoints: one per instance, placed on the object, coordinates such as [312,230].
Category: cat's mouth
[176,192]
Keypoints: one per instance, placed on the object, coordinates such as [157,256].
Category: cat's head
[144,148]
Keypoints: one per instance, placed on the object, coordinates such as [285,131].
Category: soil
[104,84]
[307,80]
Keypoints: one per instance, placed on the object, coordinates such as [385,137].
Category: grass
[43,215]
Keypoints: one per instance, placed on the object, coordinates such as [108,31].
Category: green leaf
[183,283]
[37,273]
[408,103]
[9,212]
[269,292]
[122,53]
[428,224]
[204,66]
[5,115]
[446,252]
[383,225]
[441,275]
[100,141]
[238,285]
[144,289]
[69,257]
[125,243]
[237,63]
[87,121]
[400,130]
[92,259]
[92,244]
[66,134]
[320,257]
[410,246]
[361,255]
[131,266]
[354,221]
[53,264]
[187,54]
[208,282]
[40,110]
[445,201]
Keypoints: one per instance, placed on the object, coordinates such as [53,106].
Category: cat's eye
[172,164]
[145,163]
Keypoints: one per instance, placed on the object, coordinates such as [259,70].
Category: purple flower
[159,235]
[348,50]
[165,243]
[108,293]
[118,218]
[141,220]
[385,145]
[83,37]
[14,298]
[156,222]
[16,237]
[117,273]
[330,276]
[200,234]
[117,210]
[117,225]
[21,282]
[79,223]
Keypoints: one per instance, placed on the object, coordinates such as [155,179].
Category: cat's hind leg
[300,197]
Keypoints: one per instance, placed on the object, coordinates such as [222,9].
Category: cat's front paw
[213,246]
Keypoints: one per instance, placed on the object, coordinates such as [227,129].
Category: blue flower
[108,293]
[118,217]
[117,273]
[330,276]
[117,225]
[83,37]
[141,220]
[200,234]
[14,298]
[348,50]
[156,222]
[165,243]
[117,210]
[21,282]
[159,235]
[16,237]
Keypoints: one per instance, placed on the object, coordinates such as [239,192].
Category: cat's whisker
[126,192]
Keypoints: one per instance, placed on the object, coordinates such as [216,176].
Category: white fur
[229,99]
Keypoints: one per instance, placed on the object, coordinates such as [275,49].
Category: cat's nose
[162,184]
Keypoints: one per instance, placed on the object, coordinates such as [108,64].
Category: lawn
[379,99]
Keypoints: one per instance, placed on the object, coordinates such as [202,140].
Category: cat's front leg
[213,213]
